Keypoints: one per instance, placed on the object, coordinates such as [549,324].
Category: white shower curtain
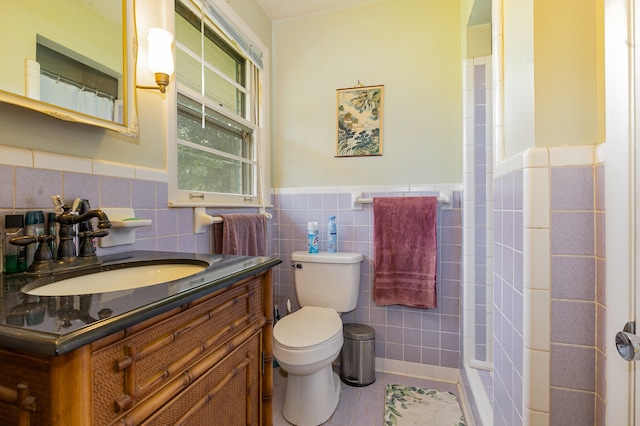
[75,98]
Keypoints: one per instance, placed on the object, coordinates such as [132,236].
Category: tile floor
[357,405]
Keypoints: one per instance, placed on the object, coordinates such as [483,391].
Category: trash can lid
[357,331]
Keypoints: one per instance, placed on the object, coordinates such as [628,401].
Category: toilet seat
[308,328]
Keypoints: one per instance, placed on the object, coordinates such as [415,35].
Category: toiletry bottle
[312,237]
[14,259]
[332,235]
[34,227]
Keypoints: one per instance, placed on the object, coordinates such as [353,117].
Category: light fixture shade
[160,54]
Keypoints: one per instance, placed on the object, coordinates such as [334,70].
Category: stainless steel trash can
[357,359]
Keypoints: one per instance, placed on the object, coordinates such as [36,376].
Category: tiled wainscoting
[549,301]
[406,338]
[421,338]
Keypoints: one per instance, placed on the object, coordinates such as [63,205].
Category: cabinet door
[33,372]
[228,393]
[126,372]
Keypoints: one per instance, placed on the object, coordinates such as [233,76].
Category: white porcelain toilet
[307,341]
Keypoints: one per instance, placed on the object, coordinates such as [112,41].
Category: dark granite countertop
[53,325]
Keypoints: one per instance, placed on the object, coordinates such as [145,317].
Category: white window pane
[205,172]
[188,71]
[219,132]
[231,65]
[187,33]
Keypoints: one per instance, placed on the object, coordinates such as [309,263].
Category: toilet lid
[308,327]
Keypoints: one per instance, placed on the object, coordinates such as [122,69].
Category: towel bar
[201,219]
[218,219]
[442,198]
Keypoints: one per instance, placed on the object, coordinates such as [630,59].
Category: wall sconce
[160,57]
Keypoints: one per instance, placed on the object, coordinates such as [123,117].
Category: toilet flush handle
[296,265]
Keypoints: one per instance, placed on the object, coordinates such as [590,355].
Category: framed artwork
[359,121]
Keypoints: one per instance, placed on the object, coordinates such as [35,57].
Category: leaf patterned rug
[410,405]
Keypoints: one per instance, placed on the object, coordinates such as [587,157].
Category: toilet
[306,342]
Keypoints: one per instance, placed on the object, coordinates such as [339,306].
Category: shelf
[123,226]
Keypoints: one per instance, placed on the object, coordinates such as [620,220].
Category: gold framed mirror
[73,60]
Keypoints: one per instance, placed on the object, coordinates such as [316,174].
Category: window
[221,144]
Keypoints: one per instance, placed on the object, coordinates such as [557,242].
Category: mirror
[72,60]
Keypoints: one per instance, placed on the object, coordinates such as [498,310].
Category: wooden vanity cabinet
[206,362]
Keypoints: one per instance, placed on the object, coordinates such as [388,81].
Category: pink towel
[405,252]
[244,234]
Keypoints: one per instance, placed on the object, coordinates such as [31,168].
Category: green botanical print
[353,138]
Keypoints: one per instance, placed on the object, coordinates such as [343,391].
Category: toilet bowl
[305,344]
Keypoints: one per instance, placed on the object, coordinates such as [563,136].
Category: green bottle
[15,257]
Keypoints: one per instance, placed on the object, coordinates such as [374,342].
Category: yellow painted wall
[412,48]
[569,81]
[465,10]
[553,74]
[519,99]
[478,41]
[477,32]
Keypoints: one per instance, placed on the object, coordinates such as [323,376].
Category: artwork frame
[359,121]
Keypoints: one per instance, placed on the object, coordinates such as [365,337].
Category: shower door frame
[621,201]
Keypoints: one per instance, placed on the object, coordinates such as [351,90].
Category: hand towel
[217,237]
[405,251]
[244,234]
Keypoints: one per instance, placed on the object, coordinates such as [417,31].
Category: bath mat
[410,405]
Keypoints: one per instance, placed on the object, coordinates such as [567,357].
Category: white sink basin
[118,279]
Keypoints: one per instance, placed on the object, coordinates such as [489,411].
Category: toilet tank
[328,280]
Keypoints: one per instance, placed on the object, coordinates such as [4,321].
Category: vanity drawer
[128,370]
[217,392]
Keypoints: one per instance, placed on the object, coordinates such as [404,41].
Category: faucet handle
[43,258]
[87,248]
[99,233]
[30,239]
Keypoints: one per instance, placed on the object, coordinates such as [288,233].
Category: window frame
[260,134]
